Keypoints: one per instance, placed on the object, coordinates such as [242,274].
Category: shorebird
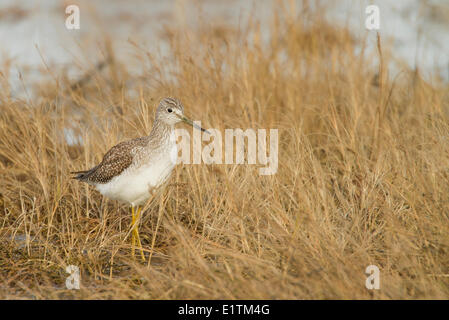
[131,170]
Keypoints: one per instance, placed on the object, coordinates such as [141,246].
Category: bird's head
[171,111]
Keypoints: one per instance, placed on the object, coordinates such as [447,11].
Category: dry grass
[362,179]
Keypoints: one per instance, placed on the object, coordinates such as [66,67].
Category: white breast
[134,185]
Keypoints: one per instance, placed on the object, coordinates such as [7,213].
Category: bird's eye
[169,110]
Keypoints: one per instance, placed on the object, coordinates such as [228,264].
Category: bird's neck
[160,133]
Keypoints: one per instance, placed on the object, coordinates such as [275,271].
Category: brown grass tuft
[362,179]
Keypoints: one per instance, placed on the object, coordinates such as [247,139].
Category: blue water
[34,35]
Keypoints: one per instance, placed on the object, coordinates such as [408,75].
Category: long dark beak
[190,122]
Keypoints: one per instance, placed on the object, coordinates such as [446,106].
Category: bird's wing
[114,162]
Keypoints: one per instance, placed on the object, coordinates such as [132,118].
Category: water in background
[34,36]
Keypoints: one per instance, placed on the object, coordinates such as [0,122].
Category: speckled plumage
[131,169]
[117,159]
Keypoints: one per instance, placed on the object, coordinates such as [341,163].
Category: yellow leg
[133,238]
[136,233]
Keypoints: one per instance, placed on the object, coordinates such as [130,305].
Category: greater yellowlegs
[133,169]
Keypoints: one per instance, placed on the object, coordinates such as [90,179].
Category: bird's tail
[80,175]
[83,175]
